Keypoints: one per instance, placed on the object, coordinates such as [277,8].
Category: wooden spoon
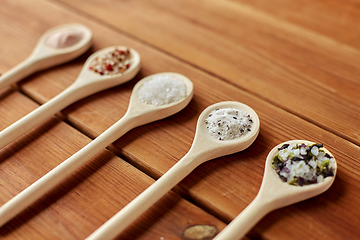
[204,147]
[273,194]
[87,83]
[44,56]
[138,113]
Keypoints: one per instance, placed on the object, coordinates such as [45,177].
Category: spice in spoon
[112,62]
[64,39]
[301,164]
[228,123]
[162,89]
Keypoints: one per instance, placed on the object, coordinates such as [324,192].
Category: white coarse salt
[162,89]
[315,151]
[228,123]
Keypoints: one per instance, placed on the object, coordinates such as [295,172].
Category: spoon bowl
[273,194]
[96,82]
[210,147]
[138,113]
[284,194]
[87,83]
[44,56]
[204,147]
[137,107]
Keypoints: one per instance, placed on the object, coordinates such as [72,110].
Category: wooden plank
[90,196]
[338,20]
[153,146]
[301,71]
[227,185]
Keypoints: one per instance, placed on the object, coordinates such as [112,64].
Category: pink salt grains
[112,62]
[64,39]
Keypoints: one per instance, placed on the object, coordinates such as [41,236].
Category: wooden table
[296,63]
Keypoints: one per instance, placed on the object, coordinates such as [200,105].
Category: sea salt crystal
[303,151]
[320,178]
[162,89]
[228,123]
[312,164]
[315,151]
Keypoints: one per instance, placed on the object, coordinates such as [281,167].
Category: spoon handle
[17,73]
[145,200]
[240,225]
[45,111]
[63,170]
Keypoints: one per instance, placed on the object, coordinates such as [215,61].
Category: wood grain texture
[226,185]
[90,196]
[293,67]
[337,20]
[223,186]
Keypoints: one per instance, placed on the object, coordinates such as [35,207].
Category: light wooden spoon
[273,194]
[204,148]
[87,83]
[44,56]
[138,113]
